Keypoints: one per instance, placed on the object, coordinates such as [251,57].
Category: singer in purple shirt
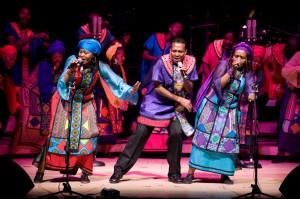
[158,110]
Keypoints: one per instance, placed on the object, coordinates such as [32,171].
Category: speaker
[290,185]
[15,181]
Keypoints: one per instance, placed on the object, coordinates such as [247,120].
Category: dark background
[202,23]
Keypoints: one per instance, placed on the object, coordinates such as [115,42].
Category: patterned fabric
[218,115]
[28,138]
[79,126]
[154,106]
[187,65]
[45,118]
[292,115]
[83,122]
[47,80]
[109,118]
[289,135]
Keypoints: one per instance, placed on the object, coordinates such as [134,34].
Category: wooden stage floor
[148,179]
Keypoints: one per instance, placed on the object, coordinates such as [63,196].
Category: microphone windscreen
[179,64]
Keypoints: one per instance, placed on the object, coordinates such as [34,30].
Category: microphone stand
[253,119]
[67,187]
[254,127]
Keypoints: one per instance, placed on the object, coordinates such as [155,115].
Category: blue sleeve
[150,42]
[45,81]
[62,86]
[117,85]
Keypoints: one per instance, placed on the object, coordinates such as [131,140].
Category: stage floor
[148,179]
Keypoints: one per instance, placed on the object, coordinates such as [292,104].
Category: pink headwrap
[8,50]
[258,51]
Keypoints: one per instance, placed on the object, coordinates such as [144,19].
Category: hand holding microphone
[237,67]
[75,64]
[180,65]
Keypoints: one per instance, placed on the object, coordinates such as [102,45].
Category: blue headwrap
[56,47]
[90,45]
[245,47]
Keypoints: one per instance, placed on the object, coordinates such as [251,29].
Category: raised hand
[135,87]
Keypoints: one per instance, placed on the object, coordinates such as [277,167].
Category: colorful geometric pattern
[77,112]
[291,123]
[83,120]
[217,123]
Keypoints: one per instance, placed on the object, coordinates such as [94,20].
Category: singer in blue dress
[216,140]
[73,123]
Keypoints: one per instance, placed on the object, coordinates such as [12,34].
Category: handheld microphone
[237,67]
[76,63]
[79,61]
[179,64]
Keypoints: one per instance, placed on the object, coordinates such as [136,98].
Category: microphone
[79,61]
[237,67]
[76,63]
[179,64]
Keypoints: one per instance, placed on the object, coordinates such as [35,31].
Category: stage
[148,179]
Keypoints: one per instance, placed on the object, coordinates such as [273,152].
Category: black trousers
[137,141]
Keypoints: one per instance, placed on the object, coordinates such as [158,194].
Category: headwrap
[8,50]
[245,47]
[258,51]
[111,51]
[56,47]
[90,45]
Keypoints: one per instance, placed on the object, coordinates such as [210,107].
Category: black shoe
[38,178]
[70,172]
[278,159]
[226,180]
[98,163]
[175,178]
[188,179]
[84,178]
[116,177]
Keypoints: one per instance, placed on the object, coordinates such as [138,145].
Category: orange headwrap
[258,51]
[111,51]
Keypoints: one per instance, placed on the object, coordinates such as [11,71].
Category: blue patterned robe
[216,138]
[75,117]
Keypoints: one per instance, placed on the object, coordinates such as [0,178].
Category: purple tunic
[155,106]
